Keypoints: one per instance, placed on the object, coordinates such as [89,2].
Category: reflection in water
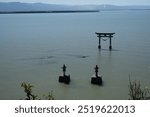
[105,63]
[101,56]
[77,56]
[37,58]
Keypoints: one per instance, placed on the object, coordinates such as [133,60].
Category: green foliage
[50,96]
[30,96]
[136,92]
[28,90]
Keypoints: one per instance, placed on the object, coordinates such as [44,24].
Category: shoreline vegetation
[60,11]
[136,92]
[30,96]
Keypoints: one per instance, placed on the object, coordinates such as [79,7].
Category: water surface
[33,48]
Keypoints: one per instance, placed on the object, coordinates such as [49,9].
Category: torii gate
[109,35]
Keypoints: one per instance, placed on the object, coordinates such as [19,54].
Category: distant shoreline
[67,11]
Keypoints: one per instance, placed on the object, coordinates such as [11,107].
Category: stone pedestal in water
[96,79]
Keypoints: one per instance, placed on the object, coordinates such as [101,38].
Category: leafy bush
[30,96]
[136,92]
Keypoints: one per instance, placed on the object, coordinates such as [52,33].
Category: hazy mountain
[17,6]
[114,7]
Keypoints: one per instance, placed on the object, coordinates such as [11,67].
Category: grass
[136,92]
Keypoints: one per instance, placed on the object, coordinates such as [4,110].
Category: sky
[74,2]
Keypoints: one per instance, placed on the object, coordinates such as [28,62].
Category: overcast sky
[115,2]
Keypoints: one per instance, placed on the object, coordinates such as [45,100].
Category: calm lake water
[34,47]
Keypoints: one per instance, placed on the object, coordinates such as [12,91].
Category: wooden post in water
[105,35]
[99,46]
[110,46]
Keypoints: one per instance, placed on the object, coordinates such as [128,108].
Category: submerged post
[99,46]
[110,46]
[105,35]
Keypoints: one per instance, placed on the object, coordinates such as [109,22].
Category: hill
[28,7]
